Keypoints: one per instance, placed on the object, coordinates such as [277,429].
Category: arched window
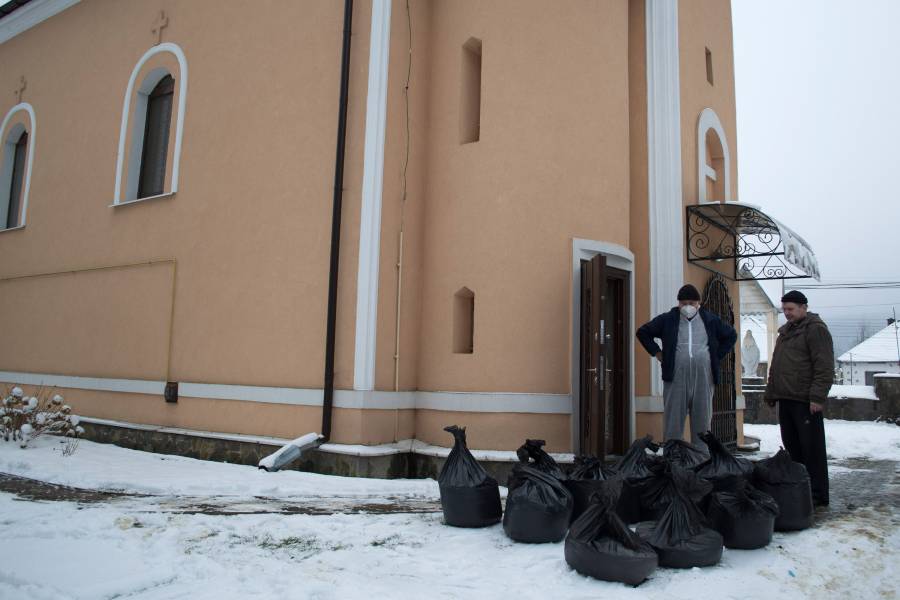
[18,178]
[152,122]
[156,138]
[16,155]
[713,159]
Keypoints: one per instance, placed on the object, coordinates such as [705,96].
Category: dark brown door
[604,358]
[593,359]
[617,321]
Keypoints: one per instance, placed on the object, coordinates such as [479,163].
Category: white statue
[749,355]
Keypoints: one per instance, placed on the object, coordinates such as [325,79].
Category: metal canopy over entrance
[741,242]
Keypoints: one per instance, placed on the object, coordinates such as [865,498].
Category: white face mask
[689,310]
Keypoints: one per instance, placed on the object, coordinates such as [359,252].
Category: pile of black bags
[666,496]
[658,492]
[680,536]
[538,506]
[722,468]
[600,544]
[683,454]
[469,496]
[788,483]
[743,515]
[636,468]
[589,476]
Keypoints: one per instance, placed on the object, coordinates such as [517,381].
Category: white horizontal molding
[99,384]
[33,13]
[369,399]
[449,401]
[252,393]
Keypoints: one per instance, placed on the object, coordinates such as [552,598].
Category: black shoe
[820,503]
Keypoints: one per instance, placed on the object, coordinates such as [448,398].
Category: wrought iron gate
[724,420]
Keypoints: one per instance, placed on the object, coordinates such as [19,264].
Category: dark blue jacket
[722,338]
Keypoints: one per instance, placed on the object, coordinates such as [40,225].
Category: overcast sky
[818,119]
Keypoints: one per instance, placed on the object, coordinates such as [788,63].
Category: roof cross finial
[20,89]
[161,22]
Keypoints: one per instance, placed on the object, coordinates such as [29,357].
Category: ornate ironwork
[724,417]
[743,243]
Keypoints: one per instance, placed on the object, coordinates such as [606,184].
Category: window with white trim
[16,153]
[713,159]
[152,123]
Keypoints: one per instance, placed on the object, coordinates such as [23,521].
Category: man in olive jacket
[800,378]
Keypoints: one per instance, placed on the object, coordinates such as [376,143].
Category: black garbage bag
[744,516]
[681,538]
[683,453]
[590,475]
[532,452]
[469,496]
[600,544]
[722,469]
[635,467]
[538,506]
[657,492]
[788,483]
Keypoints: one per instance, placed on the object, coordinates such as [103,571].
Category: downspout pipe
[330,327]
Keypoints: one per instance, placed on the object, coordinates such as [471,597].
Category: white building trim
[33,13]
[372,187]
[478,402]
[710,120]
[96,384]
[7,156]
[664,162]
[134,155]
[618,257]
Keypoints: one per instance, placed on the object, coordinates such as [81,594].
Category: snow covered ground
[843,439]
[62,550]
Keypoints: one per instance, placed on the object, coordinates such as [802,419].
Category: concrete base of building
[383,462]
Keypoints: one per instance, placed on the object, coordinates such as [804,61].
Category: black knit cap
[795,297]
[688,292]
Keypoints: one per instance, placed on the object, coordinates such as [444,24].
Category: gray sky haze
[818,123]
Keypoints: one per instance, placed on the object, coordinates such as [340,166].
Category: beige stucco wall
[562,155]
[249,226]
[551,164]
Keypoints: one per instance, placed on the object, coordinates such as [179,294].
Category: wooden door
[593,360]
[617,321]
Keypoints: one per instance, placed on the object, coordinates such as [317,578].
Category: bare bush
[25,418]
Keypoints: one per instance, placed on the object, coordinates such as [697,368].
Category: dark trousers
[803,435]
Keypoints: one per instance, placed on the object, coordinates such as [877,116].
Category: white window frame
[710,120]
[7,157]
[127,176]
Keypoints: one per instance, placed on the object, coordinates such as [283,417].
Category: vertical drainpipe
[328,390]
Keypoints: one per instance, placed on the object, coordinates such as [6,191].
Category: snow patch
[862,392]
[843,439]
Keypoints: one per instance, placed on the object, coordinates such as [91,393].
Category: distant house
[878,354]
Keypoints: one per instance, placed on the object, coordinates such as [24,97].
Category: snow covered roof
[881,347]
[755,299]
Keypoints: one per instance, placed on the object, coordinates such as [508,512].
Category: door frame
[621,258]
